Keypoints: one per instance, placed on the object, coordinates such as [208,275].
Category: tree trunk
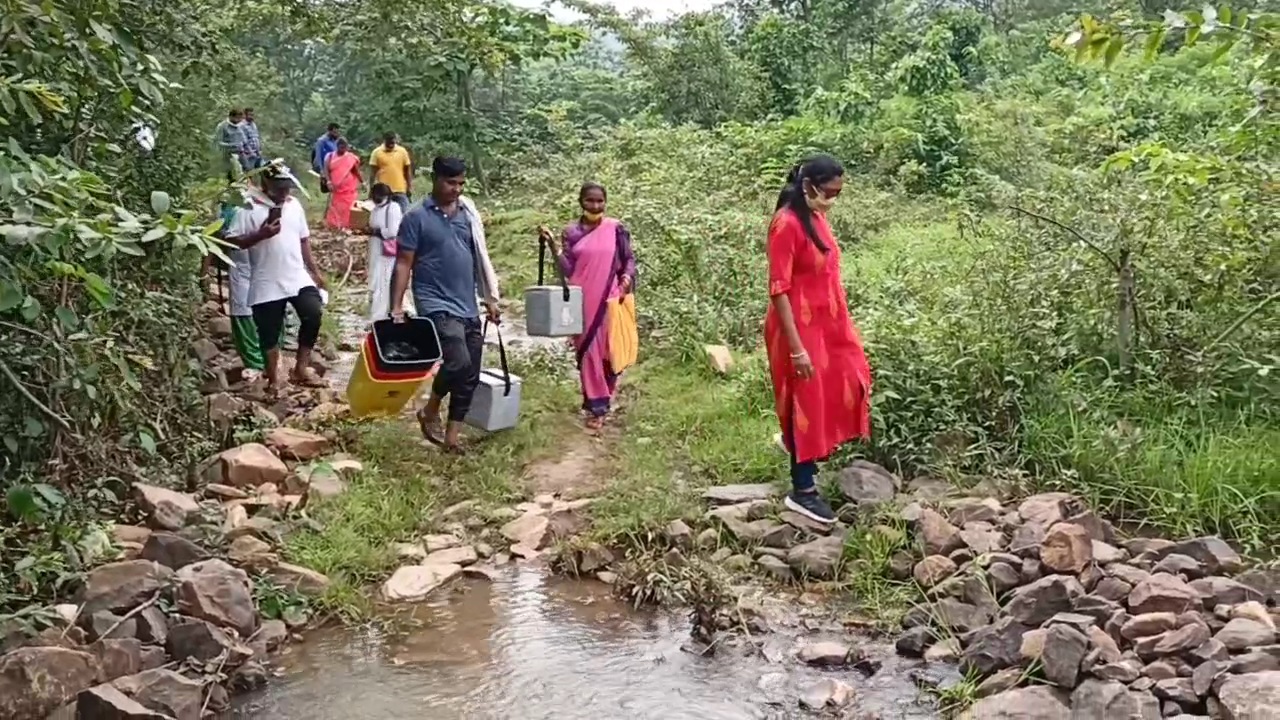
[473,142]
[1124,319]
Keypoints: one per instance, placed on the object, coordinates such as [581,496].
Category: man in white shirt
[273,230]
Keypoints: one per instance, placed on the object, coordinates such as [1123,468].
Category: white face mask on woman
[817,200]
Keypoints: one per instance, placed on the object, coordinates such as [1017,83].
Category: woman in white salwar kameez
[384,226]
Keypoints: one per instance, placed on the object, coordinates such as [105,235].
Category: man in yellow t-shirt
[391,165]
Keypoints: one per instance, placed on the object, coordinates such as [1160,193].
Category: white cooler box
[496,403]
[553,310]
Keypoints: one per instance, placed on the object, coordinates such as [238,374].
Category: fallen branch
[22,389]
[1075,233]
[1241,320]
[154,599]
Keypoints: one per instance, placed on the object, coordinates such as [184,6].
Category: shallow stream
[529,645]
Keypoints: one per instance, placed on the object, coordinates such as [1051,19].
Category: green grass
[404,485]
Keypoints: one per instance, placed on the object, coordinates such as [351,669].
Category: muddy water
[531,646]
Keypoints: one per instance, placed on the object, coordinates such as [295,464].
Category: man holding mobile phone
[273,230]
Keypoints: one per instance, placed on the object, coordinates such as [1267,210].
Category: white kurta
[385,222]
[238,277]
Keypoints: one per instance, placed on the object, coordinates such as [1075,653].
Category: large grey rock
[1066,548]
[827,692]
[1033,604]
[994,647]
[818,559]
[122,586]
[1255,696]
[165,508]
[1218,590]
[1148,624]
[165,691]
[1105,700]
[826,654]
[35,681]
[1046,508]
[1064,649]
[939,536]
[194,639]
[172,551]
[1029,703]
[734,494]
[933,570]
[1215,554]
[215,591]
[106,702]
[413,583]
[1241,634]
[866,483]
[1163,592]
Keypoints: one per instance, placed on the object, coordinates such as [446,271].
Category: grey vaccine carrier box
[496,403]
[552,310]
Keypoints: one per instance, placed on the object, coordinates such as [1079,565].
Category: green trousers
[244,334]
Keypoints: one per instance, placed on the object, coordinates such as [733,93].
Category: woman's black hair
[818,169]
[379,189]
[586,186]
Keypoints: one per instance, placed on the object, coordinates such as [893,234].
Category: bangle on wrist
[796,356]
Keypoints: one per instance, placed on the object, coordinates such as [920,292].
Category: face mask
[818,202]
[592,217]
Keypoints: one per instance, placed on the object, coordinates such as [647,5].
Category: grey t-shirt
[444,266]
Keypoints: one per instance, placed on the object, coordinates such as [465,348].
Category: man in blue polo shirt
[441,245]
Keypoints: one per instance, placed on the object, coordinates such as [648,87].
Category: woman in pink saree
[342,170]
[595,254]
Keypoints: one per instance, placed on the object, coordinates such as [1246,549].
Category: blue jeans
[250,162]
[803,474]
[401,199]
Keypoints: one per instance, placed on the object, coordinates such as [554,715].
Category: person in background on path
[441,244]
[325,145]
[821,379]
[595,254]
[391,165]
[342,170]
[273,230]
[251,155]
[384,227]
[229,142]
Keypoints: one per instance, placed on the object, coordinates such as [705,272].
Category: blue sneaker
[810,505]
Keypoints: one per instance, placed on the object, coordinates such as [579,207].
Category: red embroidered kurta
[833,406]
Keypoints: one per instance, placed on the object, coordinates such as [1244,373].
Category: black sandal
[431,432]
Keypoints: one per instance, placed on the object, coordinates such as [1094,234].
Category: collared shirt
[228,137]
[325,146]
[444,264]
[252,140]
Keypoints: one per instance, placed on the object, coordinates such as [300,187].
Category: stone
[971,509]
[118,657]
[214,591]
[296,444]
[982,538]
[1031,569]
[1217,590]
[1256,661]
[818,559]
[827,692]
[913,641]
[944,651]
[994,647]
[1204,675]
[1160,670]
[205,350]
[172,551]
[218,491]
[1064,649]
[1178,690]
[1163,592]
[1098,608]
[1213,553]
[679,533]
[932,570]
[738,563]
[1125,671]
[249,676]
[1209,650]
[803,524]
[1045,509]
[1003,577]
[165,691]
[1176,564]
[105,623]
[248,466]
[1266,580]
[321,481]
[1033,604]
[443,541]
[1096,527]
[464,555]
[1066,548]
[1037,702]
[35,681]
[775,568]
[413,583]
[165,508]
[1113,589]
[1252,610]
[106,702]
[824,654]
[1241,634]
[707,539]
[594,557]
[1104,700]
[1148,624]
[719,358]
[1254,696]
[1006,679]
[866,483]
[252,553]
[901,564]
[1078,621]
[299,579]
[960,617]
[122,586]
[736,494]
[1106,554]
[195,639]
[531,529]
[1090,577]
[1026,539]
[939,536]
[133,534]
[1183,639]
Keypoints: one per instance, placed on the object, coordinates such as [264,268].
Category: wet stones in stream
[1118,628]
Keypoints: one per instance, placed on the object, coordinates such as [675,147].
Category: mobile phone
[273,215]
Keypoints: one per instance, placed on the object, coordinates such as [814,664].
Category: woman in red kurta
[821,379]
